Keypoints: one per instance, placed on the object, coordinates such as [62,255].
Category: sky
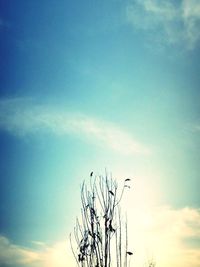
[94,85]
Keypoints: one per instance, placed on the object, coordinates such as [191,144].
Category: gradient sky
[89,85]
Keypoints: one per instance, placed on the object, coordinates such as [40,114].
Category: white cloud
[167,235]
[22,117]
[164,233]
[56,255]
[11,254]
[169,22]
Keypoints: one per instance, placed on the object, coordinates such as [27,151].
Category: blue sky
[89,85]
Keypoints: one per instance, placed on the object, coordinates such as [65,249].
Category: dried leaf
[111,192]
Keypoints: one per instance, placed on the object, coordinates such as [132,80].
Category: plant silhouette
[100,237]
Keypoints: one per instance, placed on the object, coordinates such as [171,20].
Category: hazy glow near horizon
[89,85]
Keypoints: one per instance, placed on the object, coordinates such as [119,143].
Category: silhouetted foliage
[98,239]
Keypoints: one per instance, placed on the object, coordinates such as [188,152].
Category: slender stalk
[100,222]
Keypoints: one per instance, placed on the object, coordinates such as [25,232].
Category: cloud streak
[22,117]
[169,22]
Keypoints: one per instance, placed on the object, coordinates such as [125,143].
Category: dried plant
[100,238]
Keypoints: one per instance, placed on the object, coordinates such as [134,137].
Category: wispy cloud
[170,236]
[168,21]
[13,255]
[43,255]
[22,117]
